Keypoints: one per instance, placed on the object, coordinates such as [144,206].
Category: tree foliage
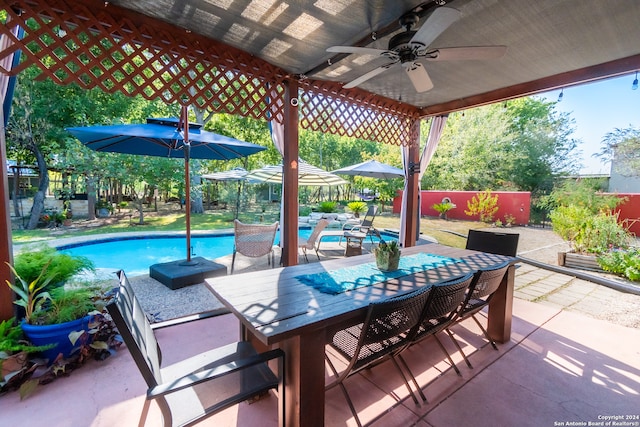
[623,147]
[520,145]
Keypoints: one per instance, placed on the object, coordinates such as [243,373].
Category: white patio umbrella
[235,174]
[371,169]
[307,175]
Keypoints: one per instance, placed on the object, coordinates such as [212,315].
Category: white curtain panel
[435,132]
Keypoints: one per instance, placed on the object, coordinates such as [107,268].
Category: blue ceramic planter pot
[56,334]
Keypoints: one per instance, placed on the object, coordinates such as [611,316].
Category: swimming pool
[134,255]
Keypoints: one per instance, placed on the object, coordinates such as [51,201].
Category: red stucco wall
[516,203]
[629,211]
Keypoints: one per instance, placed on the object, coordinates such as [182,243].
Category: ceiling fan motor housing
[401,43]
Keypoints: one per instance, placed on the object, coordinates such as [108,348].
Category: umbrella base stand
[181,273]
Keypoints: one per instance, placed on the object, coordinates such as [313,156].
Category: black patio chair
[441,310]
[493,242]
[386,330]
[200,386]
[484,285]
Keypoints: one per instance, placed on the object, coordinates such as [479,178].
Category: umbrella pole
[187,180]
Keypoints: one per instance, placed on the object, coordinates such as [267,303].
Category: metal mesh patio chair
[387,329]
[493,242]
[310,243]
[366,226]
[441,310]
[253,240]
[200,386]
[482,288]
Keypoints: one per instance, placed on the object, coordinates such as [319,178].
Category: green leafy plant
[29,264]
[443,208]
[387,255]
[12,340]
[32,296]
[67,305]
[104,204]
[327,207]
[509,220]
[625,263]
[304,211]
[483,204]
[589,232]
[357,207]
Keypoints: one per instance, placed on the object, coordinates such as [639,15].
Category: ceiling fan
[409,47]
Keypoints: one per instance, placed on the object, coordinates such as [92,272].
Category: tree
[520,145]
[42,110]
[623,147]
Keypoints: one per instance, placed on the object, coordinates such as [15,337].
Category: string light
[634,86]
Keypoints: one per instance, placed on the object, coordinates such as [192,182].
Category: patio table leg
[501,308]
[305,378]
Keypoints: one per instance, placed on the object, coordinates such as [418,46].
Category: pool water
[135,255]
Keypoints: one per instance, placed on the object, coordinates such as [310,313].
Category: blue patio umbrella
[166,138]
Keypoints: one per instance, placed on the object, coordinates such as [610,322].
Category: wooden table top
[275,306]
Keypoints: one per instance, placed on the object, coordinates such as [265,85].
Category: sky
[599,108]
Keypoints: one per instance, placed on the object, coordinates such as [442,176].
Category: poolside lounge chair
[254,240]
[364,227]
[310,243]
[199,386]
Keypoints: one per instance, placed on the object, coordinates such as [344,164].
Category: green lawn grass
[172,219]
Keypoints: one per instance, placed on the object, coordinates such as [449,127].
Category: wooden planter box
[581,261]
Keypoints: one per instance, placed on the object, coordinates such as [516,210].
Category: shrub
[67,305]
[357,207]
[30,263]
[443,208]
[483,204]
[327,207]
[624,263]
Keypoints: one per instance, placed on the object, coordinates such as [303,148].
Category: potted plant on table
[387,255]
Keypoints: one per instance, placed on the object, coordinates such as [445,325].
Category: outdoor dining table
[279,308]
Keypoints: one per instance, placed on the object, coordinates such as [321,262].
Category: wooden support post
[6,248]
[290,175]
[412,188]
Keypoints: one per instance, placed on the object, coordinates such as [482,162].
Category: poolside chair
[202,385]
[254,240]
[365,228]
[310,243]
[484,285]
[386,330]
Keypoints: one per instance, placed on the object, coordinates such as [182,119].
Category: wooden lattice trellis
[117,50]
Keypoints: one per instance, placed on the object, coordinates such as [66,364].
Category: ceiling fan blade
[418,76]
[371,74]
[441,19]
[355,49]
[469,53]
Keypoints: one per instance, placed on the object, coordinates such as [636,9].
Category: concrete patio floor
[561,366]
